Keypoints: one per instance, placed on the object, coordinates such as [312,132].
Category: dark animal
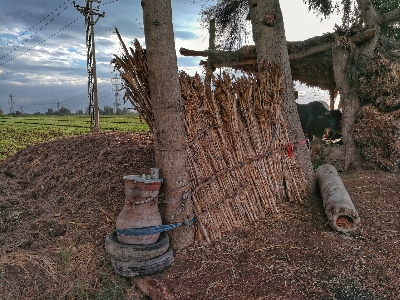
[316,119]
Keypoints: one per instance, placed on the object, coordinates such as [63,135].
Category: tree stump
[340,210]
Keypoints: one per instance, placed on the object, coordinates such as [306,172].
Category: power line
[40,42]
[24,52]
[40,29]
[13,40]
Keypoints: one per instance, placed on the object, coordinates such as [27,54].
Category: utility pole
[115,82]
[11,103]
[89,14]
[58,108]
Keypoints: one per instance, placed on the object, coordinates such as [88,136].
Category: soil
[58,201]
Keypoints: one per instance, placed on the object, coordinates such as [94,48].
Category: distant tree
[1,112]
[125,111]
[107,110]
[49,112]
[64,111]
[37,113]
[79,112]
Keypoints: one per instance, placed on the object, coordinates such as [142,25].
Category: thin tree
[349,61]
[269,38]
[169,128]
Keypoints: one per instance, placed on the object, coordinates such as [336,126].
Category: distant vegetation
[23,131]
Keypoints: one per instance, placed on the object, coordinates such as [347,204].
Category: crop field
[22,131]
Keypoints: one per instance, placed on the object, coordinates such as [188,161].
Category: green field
[22,131]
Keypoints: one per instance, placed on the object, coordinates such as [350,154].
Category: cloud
[185,35]
[54,70]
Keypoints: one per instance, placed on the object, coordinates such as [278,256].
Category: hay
[378,134]
[237,157]
[380,83]
[133,69]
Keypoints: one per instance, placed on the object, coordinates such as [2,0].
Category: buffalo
[316,119]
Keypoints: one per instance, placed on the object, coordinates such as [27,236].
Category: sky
[43,53]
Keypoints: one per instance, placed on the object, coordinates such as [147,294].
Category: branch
[247,55]
[188,52]
[310,51]
[368,12]
[358,38]
[388,17]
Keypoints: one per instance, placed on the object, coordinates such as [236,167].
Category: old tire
[143,268]
[132,252]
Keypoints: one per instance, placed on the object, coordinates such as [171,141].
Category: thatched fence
[239,165]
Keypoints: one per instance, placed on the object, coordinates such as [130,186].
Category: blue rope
[152,229]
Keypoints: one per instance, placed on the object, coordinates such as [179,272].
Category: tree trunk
[345,76]
[348,62]
[331,99]
[169,130]
[269,38]
[340,210]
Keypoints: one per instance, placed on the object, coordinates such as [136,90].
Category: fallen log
[340,210]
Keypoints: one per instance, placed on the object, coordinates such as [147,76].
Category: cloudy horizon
[43,51]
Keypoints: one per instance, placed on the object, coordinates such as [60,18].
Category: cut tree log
[340,210]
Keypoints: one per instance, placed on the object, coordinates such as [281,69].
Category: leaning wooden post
[331,99]
[339,208]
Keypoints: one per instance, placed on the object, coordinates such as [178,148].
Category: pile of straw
[133,69]
[378,134]
[379,83]
[237,157]
[377,129]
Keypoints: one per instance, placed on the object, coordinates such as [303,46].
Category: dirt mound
[60,199]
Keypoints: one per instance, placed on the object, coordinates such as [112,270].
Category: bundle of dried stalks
[378,134]
[133,68]
[237,156]
[380,83]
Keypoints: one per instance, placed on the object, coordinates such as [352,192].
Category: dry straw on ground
[239,166]
[378,134]
[379,84]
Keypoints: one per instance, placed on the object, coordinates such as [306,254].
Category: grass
[23,131]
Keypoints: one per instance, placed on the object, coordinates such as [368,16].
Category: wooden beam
[188,52]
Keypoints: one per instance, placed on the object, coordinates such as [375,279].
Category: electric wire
[40,42]
[13,40]
[21,44]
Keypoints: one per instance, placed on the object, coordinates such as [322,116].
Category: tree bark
[269,38]
[169,130]
[345,77]
[348,62]
[340,210]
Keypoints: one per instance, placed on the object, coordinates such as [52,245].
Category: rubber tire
[143,268]
[134,252]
